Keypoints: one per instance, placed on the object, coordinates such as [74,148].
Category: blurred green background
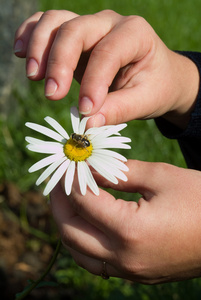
[179,26]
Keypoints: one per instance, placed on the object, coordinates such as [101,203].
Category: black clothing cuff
[194,127]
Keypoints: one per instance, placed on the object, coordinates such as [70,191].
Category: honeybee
[81,140]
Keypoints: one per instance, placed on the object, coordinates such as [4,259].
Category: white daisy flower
[80,150]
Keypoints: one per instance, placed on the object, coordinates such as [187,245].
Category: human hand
[126,71]
[153,241]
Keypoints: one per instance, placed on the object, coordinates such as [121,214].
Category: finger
[75,230]
[74,37]
[122,106]
[92,265]
[23,34]
[129,103]
[130,96]
[104,212]
[41,41]
[108,57]
[143,178]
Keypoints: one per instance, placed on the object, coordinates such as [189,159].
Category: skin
[60,44]
[153,241]
[157,239]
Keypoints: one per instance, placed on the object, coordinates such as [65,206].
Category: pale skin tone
[157,239]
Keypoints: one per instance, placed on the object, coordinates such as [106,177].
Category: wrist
[186,85]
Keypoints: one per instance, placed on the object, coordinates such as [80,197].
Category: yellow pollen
[77,152]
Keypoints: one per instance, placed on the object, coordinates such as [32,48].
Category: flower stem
[34,284]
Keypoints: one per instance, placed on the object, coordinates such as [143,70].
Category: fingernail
[32,67]
[51,87]
[98,120]
[85,106]
[18,46]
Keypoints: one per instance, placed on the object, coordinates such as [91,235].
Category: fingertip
[18,47]
[50,87]
[97,120]
[55,90]
[32,67]
[58,81]
[93,92]
[85,105]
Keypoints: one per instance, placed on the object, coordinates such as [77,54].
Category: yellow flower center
[77,149]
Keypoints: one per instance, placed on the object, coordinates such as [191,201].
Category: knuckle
[108,12]
[137,20]
[72,31]
[67,26]
[109,16]
[103,48]
[106,52]
[72,26]
[66,239]
[49,13]
[39,34]
[76,27]
[28,25]
[57,66]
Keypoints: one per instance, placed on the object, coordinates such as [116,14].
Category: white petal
[46,131]
[50,170]
[103,169]
[119,174]
[69,177]
[35,141]
[56,177]
[82,126]
[119,127]
[91,181]
[45,162]
[110,153]
[32,140]
[75,119]
[111,161]
[112,130]
[48,148]
[123,146]
[97,130]
[82,177]
[113,169]
[112,142]
[57,127]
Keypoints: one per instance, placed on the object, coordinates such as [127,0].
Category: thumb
[143,178]
[108,57]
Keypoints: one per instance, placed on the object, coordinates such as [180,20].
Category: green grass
[178,24]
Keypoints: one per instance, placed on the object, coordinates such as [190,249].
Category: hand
[126,71]
[153,241]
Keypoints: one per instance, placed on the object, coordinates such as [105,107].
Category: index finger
[90,207]
[73,38]
[76,230]
[104,212]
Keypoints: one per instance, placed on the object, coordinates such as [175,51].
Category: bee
[81,140]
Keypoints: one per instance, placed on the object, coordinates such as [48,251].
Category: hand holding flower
[153,241]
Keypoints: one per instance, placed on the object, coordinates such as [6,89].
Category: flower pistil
[78,147]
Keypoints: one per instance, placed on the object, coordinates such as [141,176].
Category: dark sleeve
[190,138]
